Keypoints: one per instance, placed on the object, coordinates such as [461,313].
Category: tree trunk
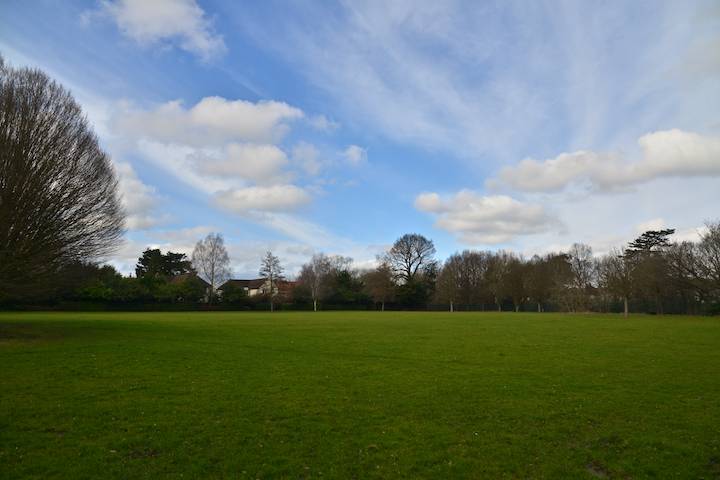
[382,306]
[539,307]
[212,284]
[517,308]
[272,307]
[451,306]
[625,304]
[314,305]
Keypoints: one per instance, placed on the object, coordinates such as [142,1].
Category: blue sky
[310,126]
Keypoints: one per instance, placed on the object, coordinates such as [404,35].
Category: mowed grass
[358,395]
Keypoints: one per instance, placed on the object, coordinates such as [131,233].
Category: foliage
[154,263]
[379,284]
[59,202]
[665,277]
[272,272]
[212,262]
[233,295]
[409,255]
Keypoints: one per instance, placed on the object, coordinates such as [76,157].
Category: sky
[305,127]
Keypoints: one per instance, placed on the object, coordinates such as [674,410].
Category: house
[252,287]
[260,286]
[175,279]
[183,278]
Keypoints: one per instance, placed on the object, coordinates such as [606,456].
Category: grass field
[358,395]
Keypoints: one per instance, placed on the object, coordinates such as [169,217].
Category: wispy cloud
[490,83]
[163,22]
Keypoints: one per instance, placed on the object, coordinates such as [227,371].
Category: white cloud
[223,148]
[692,234]
[260,198]
[553,174]
[600,77]
[138,199]
[151,22]
[652,224]
[307,157]
[322,123]
[229,151]
[212,121]
[477,219]
[181,240]
[669,153]
[260,163]
[355,155]
[181,161]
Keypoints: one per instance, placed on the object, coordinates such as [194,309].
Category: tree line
[651,274]
[61,213]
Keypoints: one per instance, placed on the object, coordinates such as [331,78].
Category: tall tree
[496,275]
[685,272]
[272,272]
[709,256]
[615,272]
[515,282]
[315,276]
[474,267]
[154,263]
[150,263]
[651,269]
[450,281]
[538,281]
[59,201]
[582,266]
[212,262]
[651,241]
[409,254]
[346,287]
[379,284]
[175,263]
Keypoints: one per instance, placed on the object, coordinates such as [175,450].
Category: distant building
[252,287]
[260,286]
[187,276]
[192,276]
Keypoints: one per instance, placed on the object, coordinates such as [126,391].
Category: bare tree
[497,273]
[582,266]
[615,273]
[474,267]
[651,268]
[409,254]
[709,255]
[272,272]
[212,262]
[695,267]
[515,281]
[450,281]
[59,202]
[379,284]
[314,275]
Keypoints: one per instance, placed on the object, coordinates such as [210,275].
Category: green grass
[358,395]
